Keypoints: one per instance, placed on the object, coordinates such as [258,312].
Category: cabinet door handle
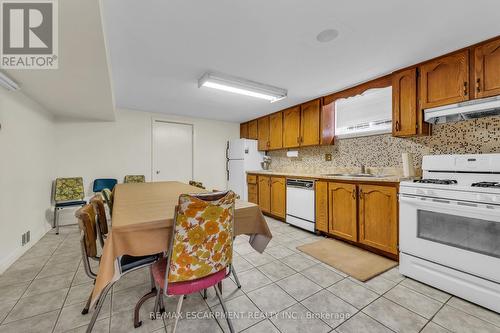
[478,85]
[360,194]
[354,194]
[397,126]
[465,88]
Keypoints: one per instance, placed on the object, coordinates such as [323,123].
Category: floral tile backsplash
[383,152]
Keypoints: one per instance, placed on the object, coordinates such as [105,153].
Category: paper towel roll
[408,169]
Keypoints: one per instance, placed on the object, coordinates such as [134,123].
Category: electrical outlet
[328,157]
[25,238]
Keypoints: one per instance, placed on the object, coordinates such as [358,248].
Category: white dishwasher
[300,203]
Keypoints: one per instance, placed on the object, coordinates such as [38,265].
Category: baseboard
[19,251]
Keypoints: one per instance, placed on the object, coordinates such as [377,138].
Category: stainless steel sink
[368,175]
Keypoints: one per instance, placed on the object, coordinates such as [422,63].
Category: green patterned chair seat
[135,179]
[69,189]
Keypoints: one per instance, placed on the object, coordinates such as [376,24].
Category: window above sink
[369,113]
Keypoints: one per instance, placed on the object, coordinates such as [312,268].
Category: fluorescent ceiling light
[7,83]
[241,86]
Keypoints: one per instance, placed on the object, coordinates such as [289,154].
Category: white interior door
[172,151]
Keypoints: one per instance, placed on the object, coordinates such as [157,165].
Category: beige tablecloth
[142,224]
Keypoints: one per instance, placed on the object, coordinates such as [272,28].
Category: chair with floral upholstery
[134,179]
[68,192]
[201,250]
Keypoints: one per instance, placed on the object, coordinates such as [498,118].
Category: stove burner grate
[436,181]
[486,184]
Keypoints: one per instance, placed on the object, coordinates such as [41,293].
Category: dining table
[142,224]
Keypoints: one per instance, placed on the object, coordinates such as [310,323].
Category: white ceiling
[81,87]
[159,49]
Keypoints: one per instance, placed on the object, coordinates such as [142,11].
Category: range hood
[474,109]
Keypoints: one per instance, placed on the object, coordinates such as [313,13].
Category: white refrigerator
[242,156]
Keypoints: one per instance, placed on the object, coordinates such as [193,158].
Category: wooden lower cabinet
[378,217]
[264,193]
[253,195]
[321,206]
[271,194]
[278,196]
[360,213]
[343,212]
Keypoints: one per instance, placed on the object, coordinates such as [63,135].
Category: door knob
[157,172]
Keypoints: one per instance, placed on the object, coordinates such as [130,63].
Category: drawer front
[253,198]
[251,179]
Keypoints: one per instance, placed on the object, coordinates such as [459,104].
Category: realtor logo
[29,34]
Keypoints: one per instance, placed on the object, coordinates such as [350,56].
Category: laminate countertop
[377,178]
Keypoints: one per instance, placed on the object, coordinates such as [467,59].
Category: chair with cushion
[107,194]
[103,183]
[134,179]
[196,184]
[68,192]
[201,250]
[88,225]
[101,220]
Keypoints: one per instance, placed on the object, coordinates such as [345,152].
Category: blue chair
[102,183]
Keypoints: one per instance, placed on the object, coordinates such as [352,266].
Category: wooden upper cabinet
[244,131]
[321,206]
[278,196]
[264,189]
[309,123]
[276,131]
[378,217]
[252,130]
[343,210]
[291,127]
[263,133]
[487,69]
[327,125]
[445,80]
[404,103]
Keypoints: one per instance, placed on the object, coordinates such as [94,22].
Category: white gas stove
[449,232]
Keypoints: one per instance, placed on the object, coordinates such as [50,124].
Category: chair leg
[220,286]
[157,301]
[162,305]
[178,312]
[143,299]
[226,313]
[98,307]
[56,220]
[87,306]
[236,277]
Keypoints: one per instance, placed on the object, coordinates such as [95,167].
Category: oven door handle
[435,202]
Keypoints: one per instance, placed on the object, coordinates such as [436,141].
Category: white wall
[115,149]
[34,150]
[26,173]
